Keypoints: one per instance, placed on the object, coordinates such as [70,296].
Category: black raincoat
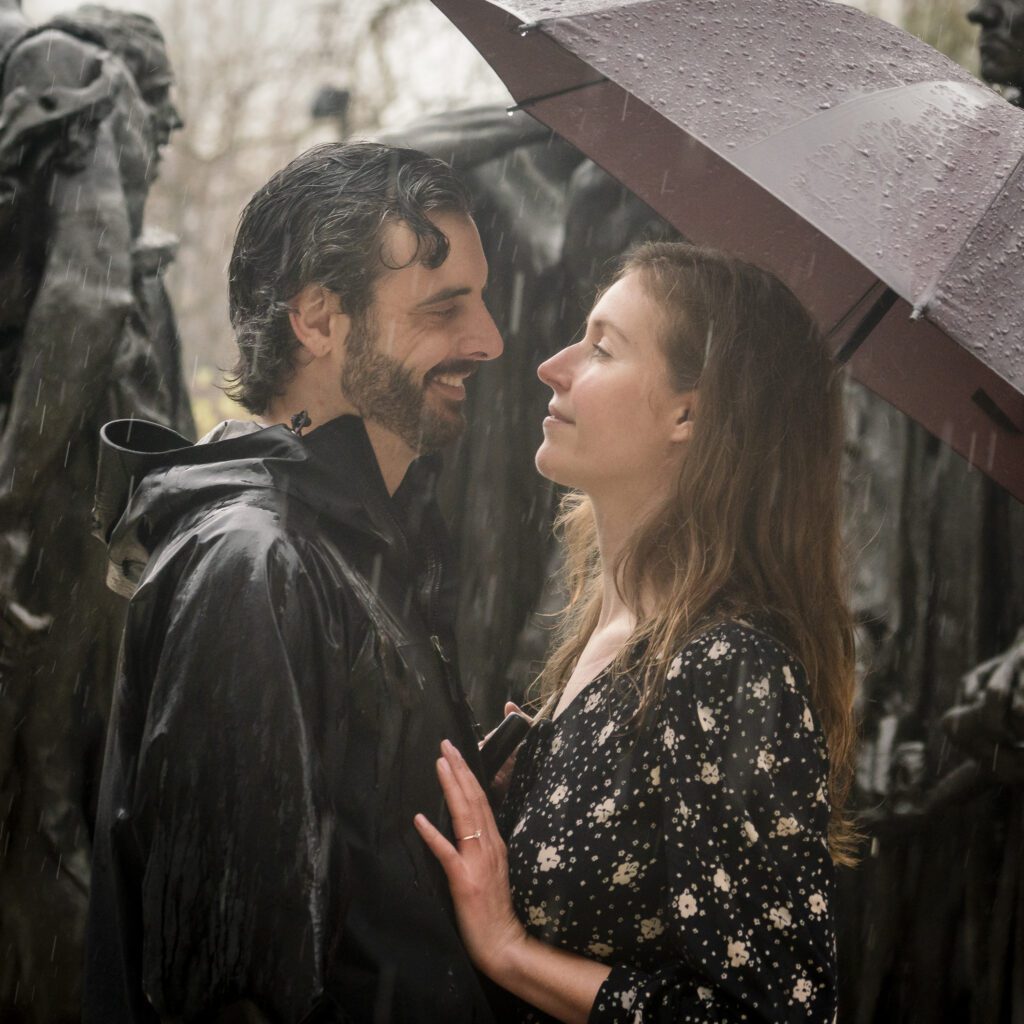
[287,676]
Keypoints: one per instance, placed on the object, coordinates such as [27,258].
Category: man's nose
[985,15]
[484,341]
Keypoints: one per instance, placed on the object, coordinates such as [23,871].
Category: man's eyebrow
[603,325]
[443,296]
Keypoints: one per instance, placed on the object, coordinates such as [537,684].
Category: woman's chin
[549,467]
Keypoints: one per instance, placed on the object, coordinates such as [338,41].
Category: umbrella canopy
[877,178]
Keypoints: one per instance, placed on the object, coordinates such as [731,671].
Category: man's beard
[387,393]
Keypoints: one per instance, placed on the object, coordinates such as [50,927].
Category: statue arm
[85,293]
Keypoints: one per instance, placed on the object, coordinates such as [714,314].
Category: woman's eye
[598,352]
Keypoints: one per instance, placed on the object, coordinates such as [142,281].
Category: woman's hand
[477,869]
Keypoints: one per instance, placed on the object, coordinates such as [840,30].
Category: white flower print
[723,905]
[548,857]
[537,915]
[625,872]
[675,668]
[719,648]
[686,904]
[706,718]
[737,953]
[592,701]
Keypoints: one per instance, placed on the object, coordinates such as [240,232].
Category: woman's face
[615,423]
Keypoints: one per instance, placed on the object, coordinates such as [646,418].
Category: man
[1001,43]
[86,334]
[288,662]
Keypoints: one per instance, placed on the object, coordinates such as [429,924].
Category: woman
[671,832]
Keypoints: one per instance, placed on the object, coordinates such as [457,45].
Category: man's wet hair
[321,220]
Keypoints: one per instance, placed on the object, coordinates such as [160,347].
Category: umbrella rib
[868,323]
[523,104]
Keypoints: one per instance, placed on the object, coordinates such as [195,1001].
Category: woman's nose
[555,371]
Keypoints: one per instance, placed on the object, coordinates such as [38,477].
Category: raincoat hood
[151,481]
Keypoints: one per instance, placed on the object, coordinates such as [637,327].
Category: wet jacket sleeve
[743,773]
[242,884]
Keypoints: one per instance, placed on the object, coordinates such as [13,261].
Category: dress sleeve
[242,884]
[748,879]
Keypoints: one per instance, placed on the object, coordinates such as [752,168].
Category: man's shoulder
[245,539]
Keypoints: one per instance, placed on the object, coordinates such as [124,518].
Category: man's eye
[445,314]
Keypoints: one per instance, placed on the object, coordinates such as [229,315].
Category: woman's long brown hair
[753,526]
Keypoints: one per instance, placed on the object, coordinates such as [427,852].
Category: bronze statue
[86,335]
[1001,44]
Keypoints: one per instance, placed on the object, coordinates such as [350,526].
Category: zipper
[436,641]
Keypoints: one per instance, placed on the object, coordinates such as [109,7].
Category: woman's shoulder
[737,654]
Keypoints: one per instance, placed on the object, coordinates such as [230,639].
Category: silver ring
[476,835]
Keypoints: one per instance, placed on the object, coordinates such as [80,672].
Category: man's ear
[317,320]
[684,412]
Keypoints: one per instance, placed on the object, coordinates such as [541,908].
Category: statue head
[137,40]
[1001,40]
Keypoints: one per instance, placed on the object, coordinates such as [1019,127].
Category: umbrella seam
[1003,185]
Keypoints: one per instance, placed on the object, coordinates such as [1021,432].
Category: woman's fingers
[458,804]
[438,846]
[473,799]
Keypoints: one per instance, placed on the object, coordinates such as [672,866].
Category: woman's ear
[315,315]
[684,412]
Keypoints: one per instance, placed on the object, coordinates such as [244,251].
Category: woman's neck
[617,519]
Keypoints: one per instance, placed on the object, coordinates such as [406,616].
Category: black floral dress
[690,855]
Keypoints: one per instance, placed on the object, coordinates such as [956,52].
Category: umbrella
[878,179]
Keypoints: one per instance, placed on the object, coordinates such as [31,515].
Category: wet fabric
[688,853]
[288,673]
